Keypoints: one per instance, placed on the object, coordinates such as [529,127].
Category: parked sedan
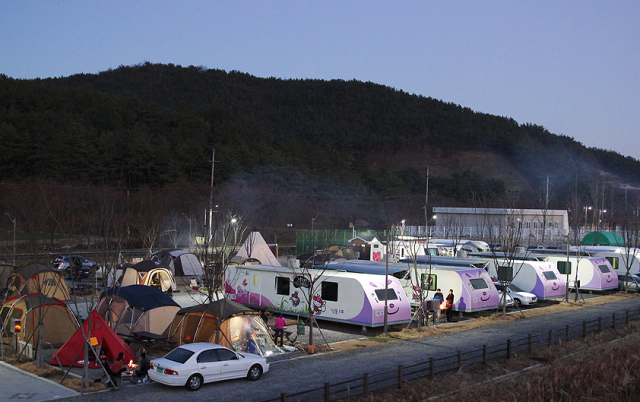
[65,264]
[194,364]
[519,296]
[632,284]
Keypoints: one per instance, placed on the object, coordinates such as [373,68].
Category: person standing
[450,298]
[440,297]
[280,324]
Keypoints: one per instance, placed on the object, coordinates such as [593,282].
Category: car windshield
[515,288]
[179,355]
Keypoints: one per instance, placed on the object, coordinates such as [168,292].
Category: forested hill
[151,124]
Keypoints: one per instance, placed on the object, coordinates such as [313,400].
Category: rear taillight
[151,365]
[170,372]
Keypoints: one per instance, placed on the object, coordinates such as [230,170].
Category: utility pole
[209,216]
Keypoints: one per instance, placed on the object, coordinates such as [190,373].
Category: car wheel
[194,382]
[66,274]
[517,303]
[254,372]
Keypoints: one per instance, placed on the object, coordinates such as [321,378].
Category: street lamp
[14,237]
[586,209]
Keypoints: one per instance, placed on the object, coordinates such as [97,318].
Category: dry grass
[55,374]
[488,319]
[603,367]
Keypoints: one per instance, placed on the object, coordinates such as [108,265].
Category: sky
[572,67]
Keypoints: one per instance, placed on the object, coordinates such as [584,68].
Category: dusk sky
[570,66]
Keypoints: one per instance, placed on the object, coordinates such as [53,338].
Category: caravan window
[282,285]
[614,262]
[549,275]
[478,283]
[329,291]
[429,282]
[391,294]
[564,267]
[604,269]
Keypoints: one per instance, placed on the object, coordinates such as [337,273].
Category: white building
[490,222]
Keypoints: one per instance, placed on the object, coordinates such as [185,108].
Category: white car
[519,296]
[194,364]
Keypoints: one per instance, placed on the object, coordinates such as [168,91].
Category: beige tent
[240,329]
[148,273]
[38,314]
[37,278]
[137,308]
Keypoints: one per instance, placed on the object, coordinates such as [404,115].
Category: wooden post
[365,384]
[530,342]
[508,348]
[326,392]
[399,375]
[484,354]
[283,397]
[431,367]
[599,324]
[459,360]
[549,336]
[626,317]
[613,321]
[566,333]
[584,329]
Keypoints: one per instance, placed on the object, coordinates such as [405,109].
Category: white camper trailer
[472,287]
[538,277]
[617,257]
[339,296]
[592,273]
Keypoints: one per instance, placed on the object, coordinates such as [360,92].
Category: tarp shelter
[105,341]
[37,278]
[255,247]
[147,273]
[240,328]
[181,262]
[603,239]
[137,308]
[58,323]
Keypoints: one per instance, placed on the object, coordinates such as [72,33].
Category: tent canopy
[143,297]
[224,308]
[255,247]
[224,322]
[603,239]
[37,278]
[107,343]
[137,308]
[181,262]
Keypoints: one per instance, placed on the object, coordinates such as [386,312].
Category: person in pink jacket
[280,324]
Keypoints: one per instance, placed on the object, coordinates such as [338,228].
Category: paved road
[17,385]
[298,374]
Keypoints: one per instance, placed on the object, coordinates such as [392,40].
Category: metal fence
[435,366]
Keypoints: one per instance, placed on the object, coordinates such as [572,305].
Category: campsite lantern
[16,326]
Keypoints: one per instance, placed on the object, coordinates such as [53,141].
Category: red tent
[106,343]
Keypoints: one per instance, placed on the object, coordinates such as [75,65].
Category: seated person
[113,369]
[144,365]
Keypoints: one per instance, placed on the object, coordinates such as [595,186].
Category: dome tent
[602,239]
[240,328]
[137,308]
